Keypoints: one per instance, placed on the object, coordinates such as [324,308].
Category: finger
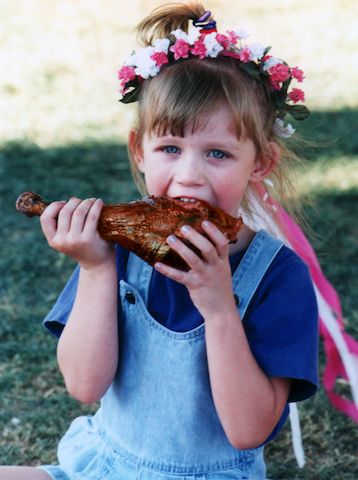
[191,257]
[48,219]
[93,215]
[80,215]
[217,237]
[211,249]
[173,273]
[65,216]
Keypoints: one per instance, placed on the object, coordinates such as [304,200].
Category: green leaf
[279,98]
[253,69]
[286,84]
[131,96]
[298,112]
[267,49]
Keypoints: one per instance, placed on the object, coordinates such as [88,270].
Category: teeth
[183,199]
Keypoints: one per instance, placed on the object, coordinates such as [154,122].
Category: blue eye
[217,154]
[171,149]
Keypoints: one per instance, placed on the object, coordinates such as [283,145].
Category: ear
[136,149]
[265,163]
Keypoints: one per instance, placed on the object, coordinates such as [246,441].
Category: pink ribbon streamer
[335,366]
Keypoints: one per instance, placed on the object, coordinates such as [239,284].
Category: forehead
[219,121]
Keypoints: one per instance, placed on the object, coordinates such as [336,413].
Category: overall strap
[139,273]
[252,268]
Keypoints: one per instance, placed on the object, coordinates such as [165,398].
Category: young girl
[194,369]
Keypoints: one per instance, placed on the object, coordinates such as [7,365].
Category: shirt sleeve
[282,326]
[57,318]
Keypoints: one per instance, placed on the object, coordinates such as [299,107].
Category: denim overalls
[157,421]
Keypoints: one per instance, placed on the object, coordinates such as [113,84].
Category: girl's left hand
[209,278]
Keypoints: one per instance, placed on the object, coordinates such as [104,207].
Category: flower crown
[202,41]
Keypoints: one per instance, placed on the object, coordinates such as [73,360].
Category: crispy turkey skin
[142,226]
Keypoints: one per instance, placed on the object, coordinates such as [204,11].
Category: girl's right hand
[71,228]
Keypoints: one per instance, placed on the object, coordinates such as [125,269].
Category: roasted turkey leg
[143,226]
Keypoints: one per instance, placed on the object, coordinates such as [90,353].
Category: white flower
[213,47]
[180,35]
[193,35]
[281,131]
[271,62]
[146,67]
[241,33]
[131,61]
[161,45]
[257,51]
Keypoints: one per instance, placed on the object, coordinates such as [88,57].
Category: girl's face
[211,164]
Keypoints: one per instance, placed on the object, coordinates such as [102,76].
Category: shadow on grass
[333,134]
[91,169]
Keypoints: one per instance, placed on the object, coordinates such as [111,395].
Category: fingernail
[184,228]
[158,265]
[171,238]
[206,223]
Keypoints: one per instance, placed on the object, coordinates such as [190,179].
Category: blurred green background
[63,133]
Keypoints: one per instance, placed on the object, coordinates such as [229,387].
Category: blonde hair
[187,91]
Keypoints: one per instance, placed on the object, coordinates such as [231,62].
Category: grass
[62,134]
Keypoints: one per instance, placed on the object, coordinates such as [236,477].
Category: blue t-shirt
[281,322]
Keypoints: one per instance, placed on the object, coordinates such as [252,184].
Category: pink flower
[232,37]
[245,54]
[297,74]
[279,73]
[180,49]
[126,74]
[160,58]
[223,39]
[296,95]
[199,49]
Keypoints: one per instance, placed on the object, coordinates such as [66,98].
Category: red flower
[232,37]
[160,58]
[199,49]
[126,74]
[297,74]
[180,49]
[296,95]
[279,73]
[245,54]
[223,39]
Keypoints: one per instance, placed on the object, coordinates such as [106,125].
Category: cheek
[230,193]
[155,182]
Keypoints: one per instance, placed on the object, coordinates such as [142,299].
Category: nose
[190,172]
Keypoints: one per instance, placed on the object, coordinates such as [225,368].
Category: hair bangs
[185,94]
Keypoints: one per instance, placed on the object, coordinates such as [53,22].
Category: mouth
[186,199]
[190,203]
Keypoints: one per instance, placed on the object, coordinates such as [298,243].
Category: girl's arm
[88,346]
[249,403]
